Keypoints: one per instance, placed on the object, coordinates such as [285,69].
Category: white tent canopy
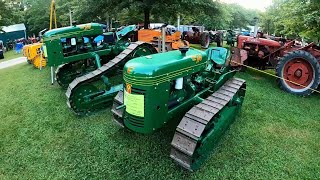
[13,28]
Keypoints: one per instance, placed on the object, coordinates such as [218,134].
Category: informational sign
[44,50]
[134,104]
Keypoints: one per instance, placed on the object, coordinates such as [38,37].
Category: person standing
[230,38]
[218,39]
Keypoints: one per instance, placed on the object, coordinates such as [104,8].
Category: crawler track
[95,75]
[188,142]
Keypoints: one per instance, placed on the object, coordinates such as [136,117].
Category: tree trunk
[146,17]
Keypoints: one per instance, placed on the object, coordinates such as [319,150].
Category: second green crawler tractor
[195,86]
[85,97]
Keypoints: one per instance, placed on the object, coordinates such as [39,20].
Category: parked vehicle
[298,67]
[1,50]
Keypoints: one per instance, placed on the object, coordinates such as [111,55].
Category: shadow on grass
[149,153]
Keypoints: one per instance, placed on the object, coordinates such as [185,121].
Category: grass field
[10,55]
[276,136]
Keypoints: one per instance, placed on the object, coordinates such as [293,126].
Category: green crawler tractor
[78,50]
[198,87]
[96,90]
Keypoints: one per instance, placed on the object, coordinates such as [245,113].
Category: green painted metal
[154,76]
[217,128]
[60,49]
[84,94]
[159,68]
[163,87]
[73,31]
[72,47]
[82,103]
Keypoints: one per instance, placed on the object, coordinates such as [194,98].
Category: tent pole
[52,75]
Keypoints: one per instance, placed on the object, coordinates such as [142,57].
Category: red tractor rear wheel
[300,72]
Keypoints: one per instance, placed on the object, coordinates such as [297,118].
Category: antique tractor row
[192,86]
[297,67]
[81,49]
[195,86]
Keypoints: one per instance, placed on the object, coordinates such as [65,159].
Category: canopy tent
[13,32]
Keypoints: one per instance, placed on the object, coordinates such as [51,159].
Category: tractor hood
[157,67]
[65,32]
[259,41]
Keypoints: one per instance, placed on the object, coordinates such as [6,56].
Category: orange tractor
[297,66]
[172,41]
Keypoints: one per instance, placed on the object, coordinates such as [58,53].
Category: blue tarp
[19,47]
[98,38]
[87,40]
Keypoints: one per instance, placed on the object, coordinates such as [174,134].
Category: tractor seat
[218,54]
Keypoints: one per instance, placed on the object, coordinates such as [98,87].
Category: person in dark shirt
[230,38]
[218,39]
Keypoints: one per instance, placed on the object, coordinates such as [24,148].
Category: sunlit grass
[9,55]
[276,136]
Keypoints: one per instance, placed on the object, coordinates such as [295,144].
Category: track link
[57,77]
[191,130]
[96,74]
[118,113]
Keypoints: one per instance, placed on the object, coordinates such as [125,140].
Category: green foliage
[6,15]
[293,18]
[220,16]
[138,11]
[37,16]
[239,17]
[211,14]
[11,12]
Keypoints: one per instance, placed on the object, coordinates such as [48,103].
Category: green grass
[276,136]
[9,55]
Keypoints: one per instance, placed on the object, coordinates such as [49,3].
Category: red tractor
[197,37]
[299,67]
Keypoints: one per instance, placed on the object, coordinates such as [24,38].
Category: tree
[37,16]
[225,16]
[6,15]
[211,14]
[294,19]
[165,10]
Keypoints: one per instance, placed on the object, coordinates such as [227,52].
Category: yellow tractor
[26,52]
[39,60]
[35,53]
